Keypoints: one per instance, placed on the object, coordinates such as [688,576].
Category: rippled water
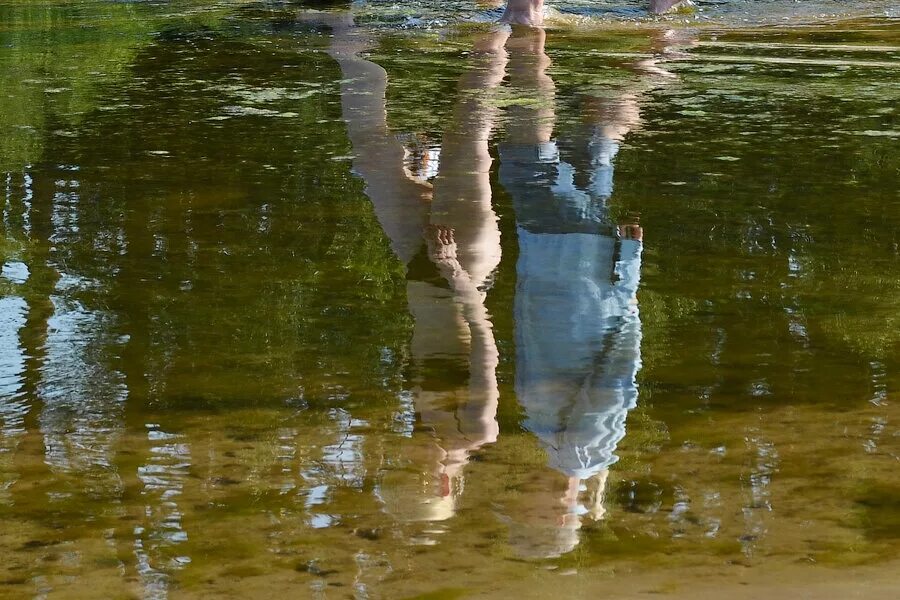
[394,303]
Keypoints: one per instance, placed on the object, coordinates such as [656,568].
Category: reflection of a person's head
[409,493]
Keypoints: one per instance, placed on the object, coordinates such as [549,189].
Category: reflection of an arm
[400,203]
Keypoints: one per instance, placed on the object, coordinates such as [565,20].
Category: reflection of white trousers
[578,338]
[578,331]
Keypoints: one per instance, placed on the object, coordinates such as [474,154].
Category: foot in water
[524,12]
[531,12]
[658,7]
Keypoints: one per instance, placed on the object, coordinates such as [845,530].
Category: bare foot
[524,12]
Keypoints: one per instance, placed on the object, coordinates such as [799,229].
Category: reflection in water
[18,196]
[576,319]
[82,401]
[577,325]
[455,220]
[13,311]
[13,405]
[226,371]
[757,483]
[340,465]
[161,531]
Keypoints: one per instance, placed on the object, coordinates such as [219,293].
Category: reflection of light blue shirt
[577,325]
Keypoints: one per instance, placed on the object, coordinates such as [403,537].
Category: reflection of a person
[454,225]
[577,327]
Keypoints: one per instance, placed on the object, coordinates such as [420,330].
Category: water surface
[358,305]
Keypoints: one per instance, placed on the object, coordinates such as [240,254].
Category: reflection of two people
[577,328]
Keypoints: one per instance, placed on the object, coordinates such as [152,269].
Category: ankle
[524,12]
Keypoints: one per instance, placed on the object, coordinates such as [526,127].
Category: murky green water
[393,305]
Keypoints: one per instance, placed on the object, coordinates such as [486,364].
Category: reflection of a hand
[441,245]
[631,231]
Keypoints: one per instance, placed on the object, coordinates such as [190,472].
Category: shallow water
[337,305]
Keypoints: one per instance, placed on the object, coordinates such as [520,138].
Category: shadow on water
[294,301]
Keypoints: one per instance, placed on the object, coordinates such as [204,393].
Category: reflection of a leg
[464,243]
[666,45]
[462,191]
[592,491]
[530,122]
[524,12]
